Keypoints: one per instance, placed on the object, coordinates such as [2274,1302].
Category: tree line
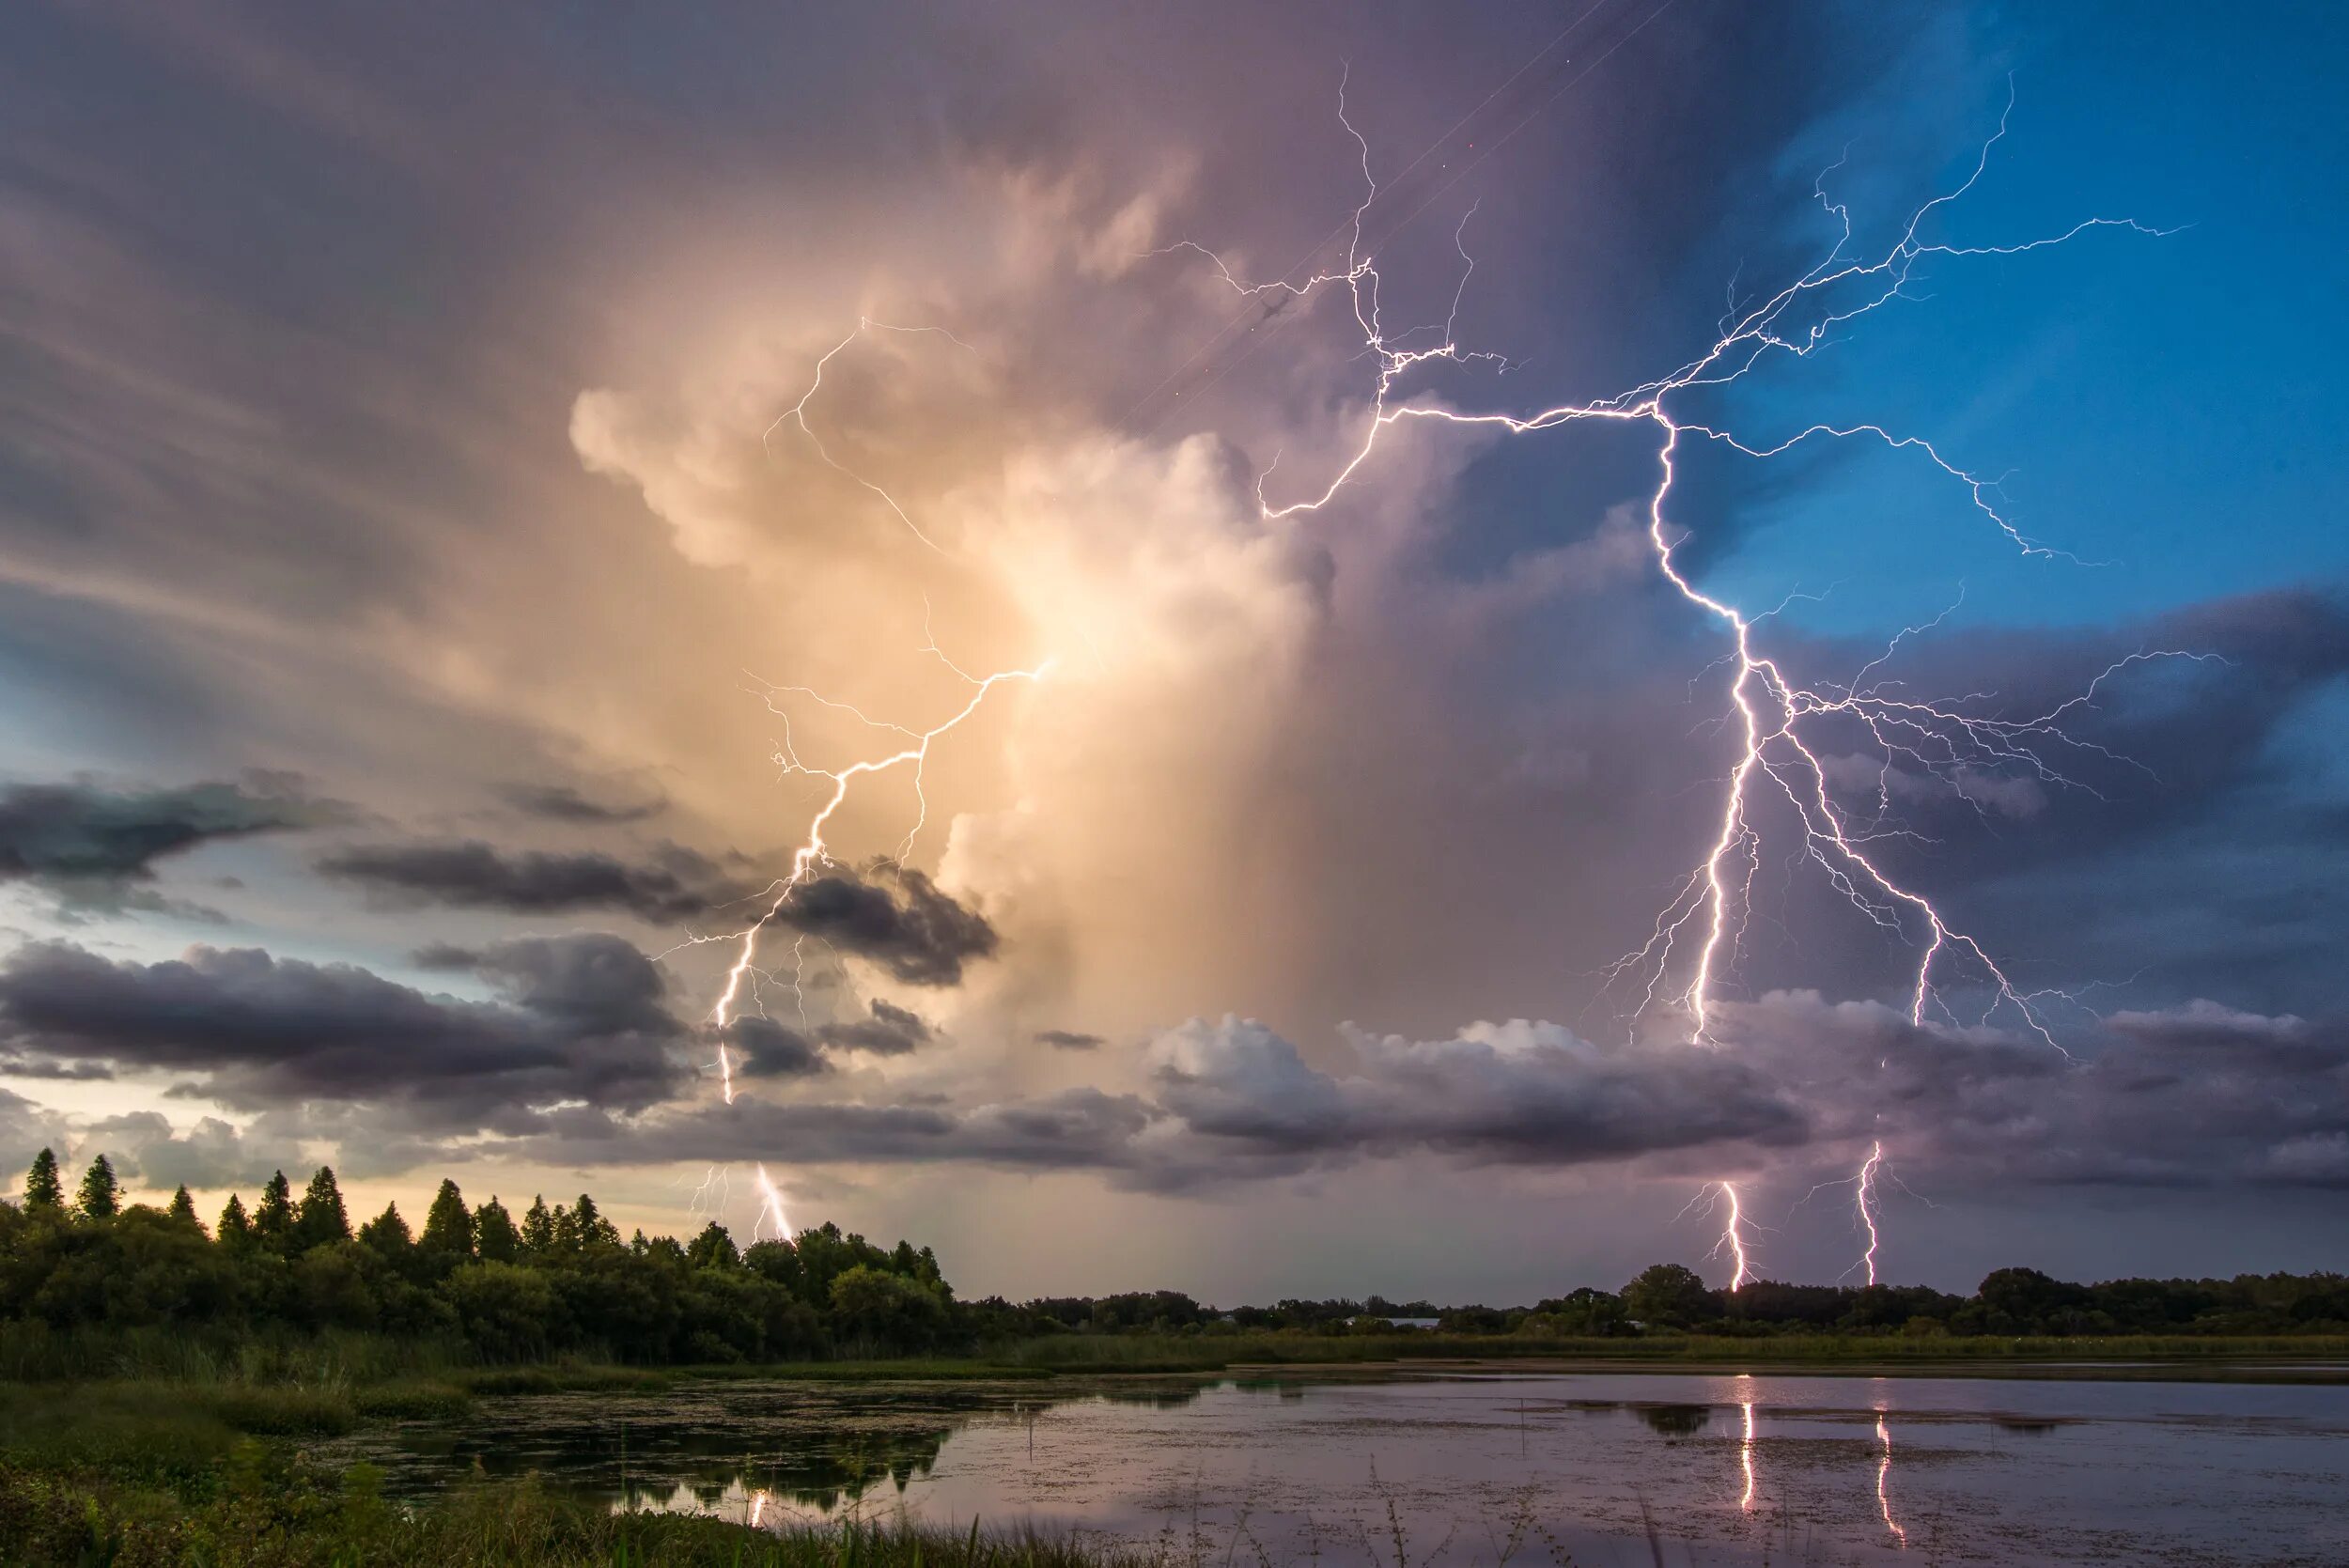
[560,1280]
[557,1280]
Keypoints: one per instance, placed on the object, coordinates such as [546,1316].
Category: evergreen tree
[387,1234]
[589,1228]
[102,1195]
[321,1218]
[41,1188]
[448,1226]
[496,1237]
[183,1207]
[538,1232]
[273,1219]
[235,1229]
[713,1248]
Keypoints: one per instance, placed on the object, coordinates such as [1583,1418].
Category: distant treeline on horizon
[560,1280]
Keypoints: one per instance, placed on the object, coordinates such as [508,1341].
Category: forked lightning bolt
[1775,716]
[1773,712]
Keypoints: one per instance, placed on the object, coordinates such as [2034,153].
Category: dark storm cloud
[81,837]
[765,1049]
[579,1018]
[674,884]
[1067,1039]
[2200,1096]
[570,804]
[896,917]
[889,1031]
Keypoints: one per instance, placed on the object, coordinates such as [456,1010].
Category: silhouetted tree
[1668,1295]
[321,1218]
[42,1188]
[539,1235]
[713,1248]
[274,1217]
[183,1207]
[448,1227]
[387,1236]
[101,1197]
[234,1228]
[496,1239]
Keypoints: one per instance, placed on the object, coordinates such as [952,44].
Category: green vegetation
[475,1287]
[265,1510]
[289,1293]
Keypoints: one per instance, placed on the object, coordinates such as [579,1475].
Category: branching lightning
[1775,716]
[1773,712]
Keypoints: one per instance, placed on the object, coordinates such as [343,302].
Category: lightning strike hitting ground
[1774,713]
[1867,1203]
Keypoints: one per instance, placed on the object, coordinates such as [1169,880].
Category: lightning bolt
[1867,1204]
[1722,1198]
[1774,715]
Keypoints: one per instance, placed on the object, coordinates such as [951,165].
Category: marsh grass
[268,1512]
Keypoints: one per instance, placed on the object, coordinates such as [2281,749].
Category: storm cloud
[577,1018]
[674,884]
[896,917]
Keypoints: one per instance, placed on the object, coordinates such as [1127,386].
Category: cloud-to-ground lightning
[1773,712]
[1867,1204]
[1774,715]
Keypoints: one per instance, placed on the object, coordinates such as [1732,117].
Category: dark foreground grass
[265,1510]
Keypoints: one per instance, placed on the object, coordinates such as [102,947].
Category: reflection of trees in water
[1675,1420]
[829,1473]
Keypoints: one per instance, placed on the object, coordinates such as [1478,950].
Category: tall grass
[267,1512]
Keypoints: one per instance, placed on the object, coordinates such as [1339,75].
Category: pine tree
[321,1218]
[538,1231]
[494,1232]
[273,1219]
[448,1226]
[183,1207]
[234,1230]
[41,1188]
[102,1195]
[387,1234]
[589,1228]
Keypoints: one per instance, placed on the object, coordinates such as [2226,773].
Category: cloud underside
[579,1056]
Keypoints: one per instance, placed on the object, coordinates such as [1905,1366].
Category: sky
[482,501]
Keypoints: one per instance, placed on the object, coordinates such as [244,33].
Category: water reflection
[1884,1477]
[1744,1458]
[1675,1420]
[1298,1470]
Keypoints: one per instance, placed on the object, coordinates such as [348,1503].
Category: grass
[268,1512]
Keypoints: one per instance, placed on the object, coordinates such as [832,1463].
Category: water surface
[1458,1469]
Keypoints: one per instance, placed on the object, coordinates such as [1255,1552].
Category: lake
[1457,1469]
